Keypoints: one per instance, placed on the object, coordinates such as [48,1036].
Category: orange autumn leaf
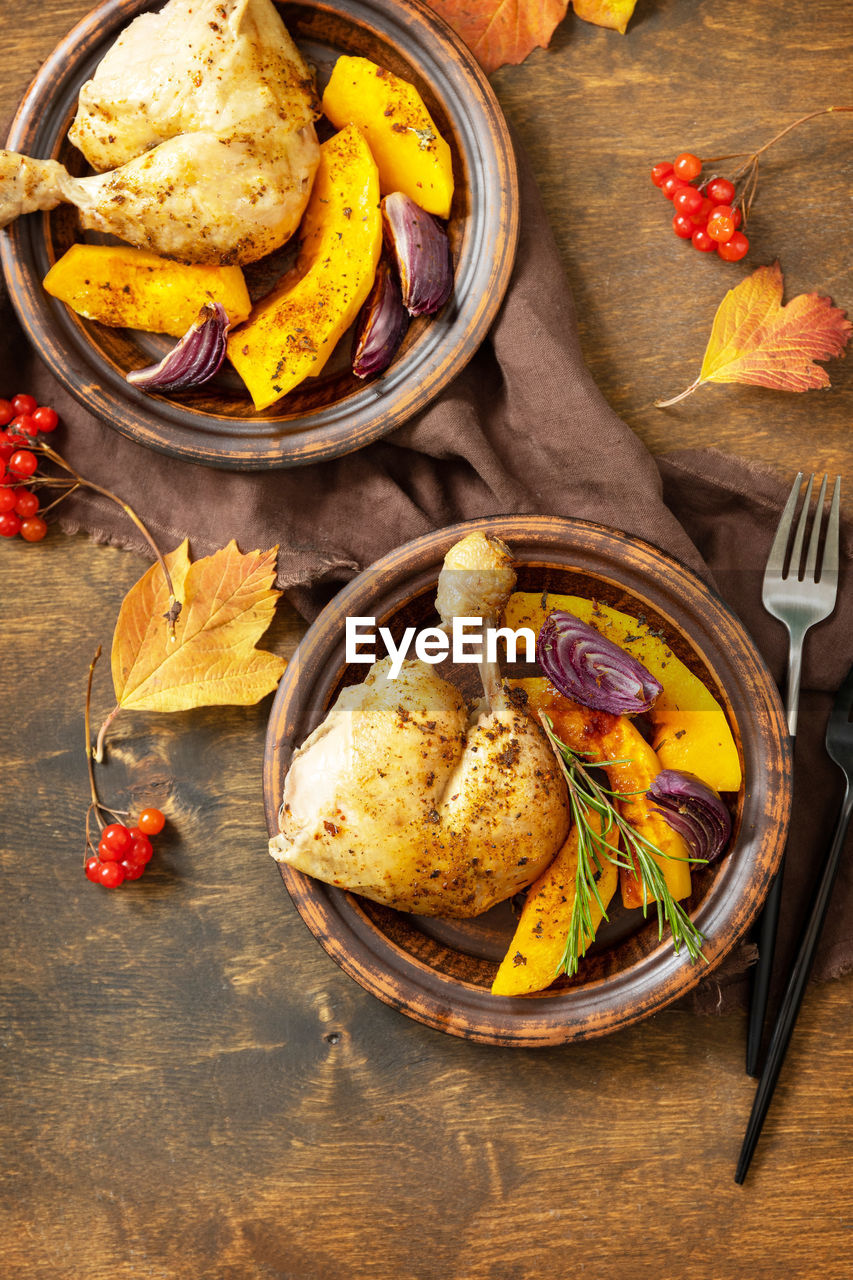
[757,340]
[615,14]
[228,601]
[502,31]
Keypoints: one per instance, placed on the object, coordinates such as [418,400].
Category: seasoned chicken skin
[199,121]
[406,797]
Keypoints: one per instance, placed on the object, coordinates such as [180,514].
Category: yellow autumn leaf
[757,340]
[228,601]
[615,14]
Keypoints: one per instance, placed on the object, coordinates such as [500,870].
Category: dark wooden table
[190,1087]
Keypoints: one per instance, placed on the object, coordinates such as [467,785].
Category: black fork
[839,745]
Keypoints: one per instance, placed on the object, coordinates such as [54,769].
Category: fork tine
[776,558]
[811,554]
[797,549]
[829,564]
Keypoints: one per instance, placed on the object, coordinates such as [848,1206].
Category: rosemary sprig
[600,828]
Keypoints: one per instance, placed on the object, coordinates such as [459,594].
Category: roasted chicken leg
[405,796]
[199,122]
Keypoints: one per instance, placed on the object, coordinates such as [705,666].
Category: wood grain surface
[190,1087]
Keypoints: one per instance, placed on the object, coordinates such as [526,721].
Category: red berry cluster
[21,420]
[704,212]
[124,852]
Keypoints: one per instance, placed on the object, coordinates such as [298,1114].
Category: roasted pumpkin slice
[411,154]
[292,332]
[691,732]
[133,289]
[540,939]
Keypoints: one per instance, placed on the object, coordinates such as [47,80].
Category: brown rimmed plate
[439,971]
[335,413]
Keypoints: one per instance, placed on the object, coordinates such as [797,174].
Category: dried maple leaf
[228,603]
[615,14]
[502,31]
[755,339]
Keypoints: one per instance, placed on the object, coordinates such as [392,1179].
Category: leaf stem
[87,725]
[664,404]
[102,733]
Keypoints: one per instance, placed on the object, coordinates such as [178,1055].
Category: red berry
[151,822]
[721,224]
[7,413]
[24,404]
[45,418]
[6,447]
[131,868]
[26,502]
[682,226]
[8,499]
[720,190]
[117,837]
[702,241]
[738,217]
[92,867]
[33,529]
[700,219]
[661,171]
[110,875]
[24,425]
[141,849]
[10,524]
[671,184]
[687,166]
[687,200]
[23,463]
[733,250]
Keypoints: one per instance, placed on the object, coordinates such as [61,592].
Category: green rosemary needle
[600,828]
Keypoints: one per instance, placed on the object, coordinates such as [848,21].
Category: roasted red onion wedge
[381,324]
[196,357]
[591,670]
[421,251]
[694,810]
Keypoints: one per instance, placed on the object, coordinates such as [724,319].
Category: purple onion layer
[694,810]
[381,325]
[592,670]
[195,359]
[421,250]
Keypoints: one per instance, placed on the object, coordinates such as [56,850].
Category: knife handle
[795,990]
[768,927]
[767,930]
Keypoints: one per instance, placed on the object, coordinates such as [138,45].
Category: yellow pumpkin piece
[691,732]
[133,289]
[631,767]
[539,941]
[292,332]
[411,154]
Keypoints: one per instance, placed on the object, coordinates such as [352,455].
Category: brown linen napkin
[522,429]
